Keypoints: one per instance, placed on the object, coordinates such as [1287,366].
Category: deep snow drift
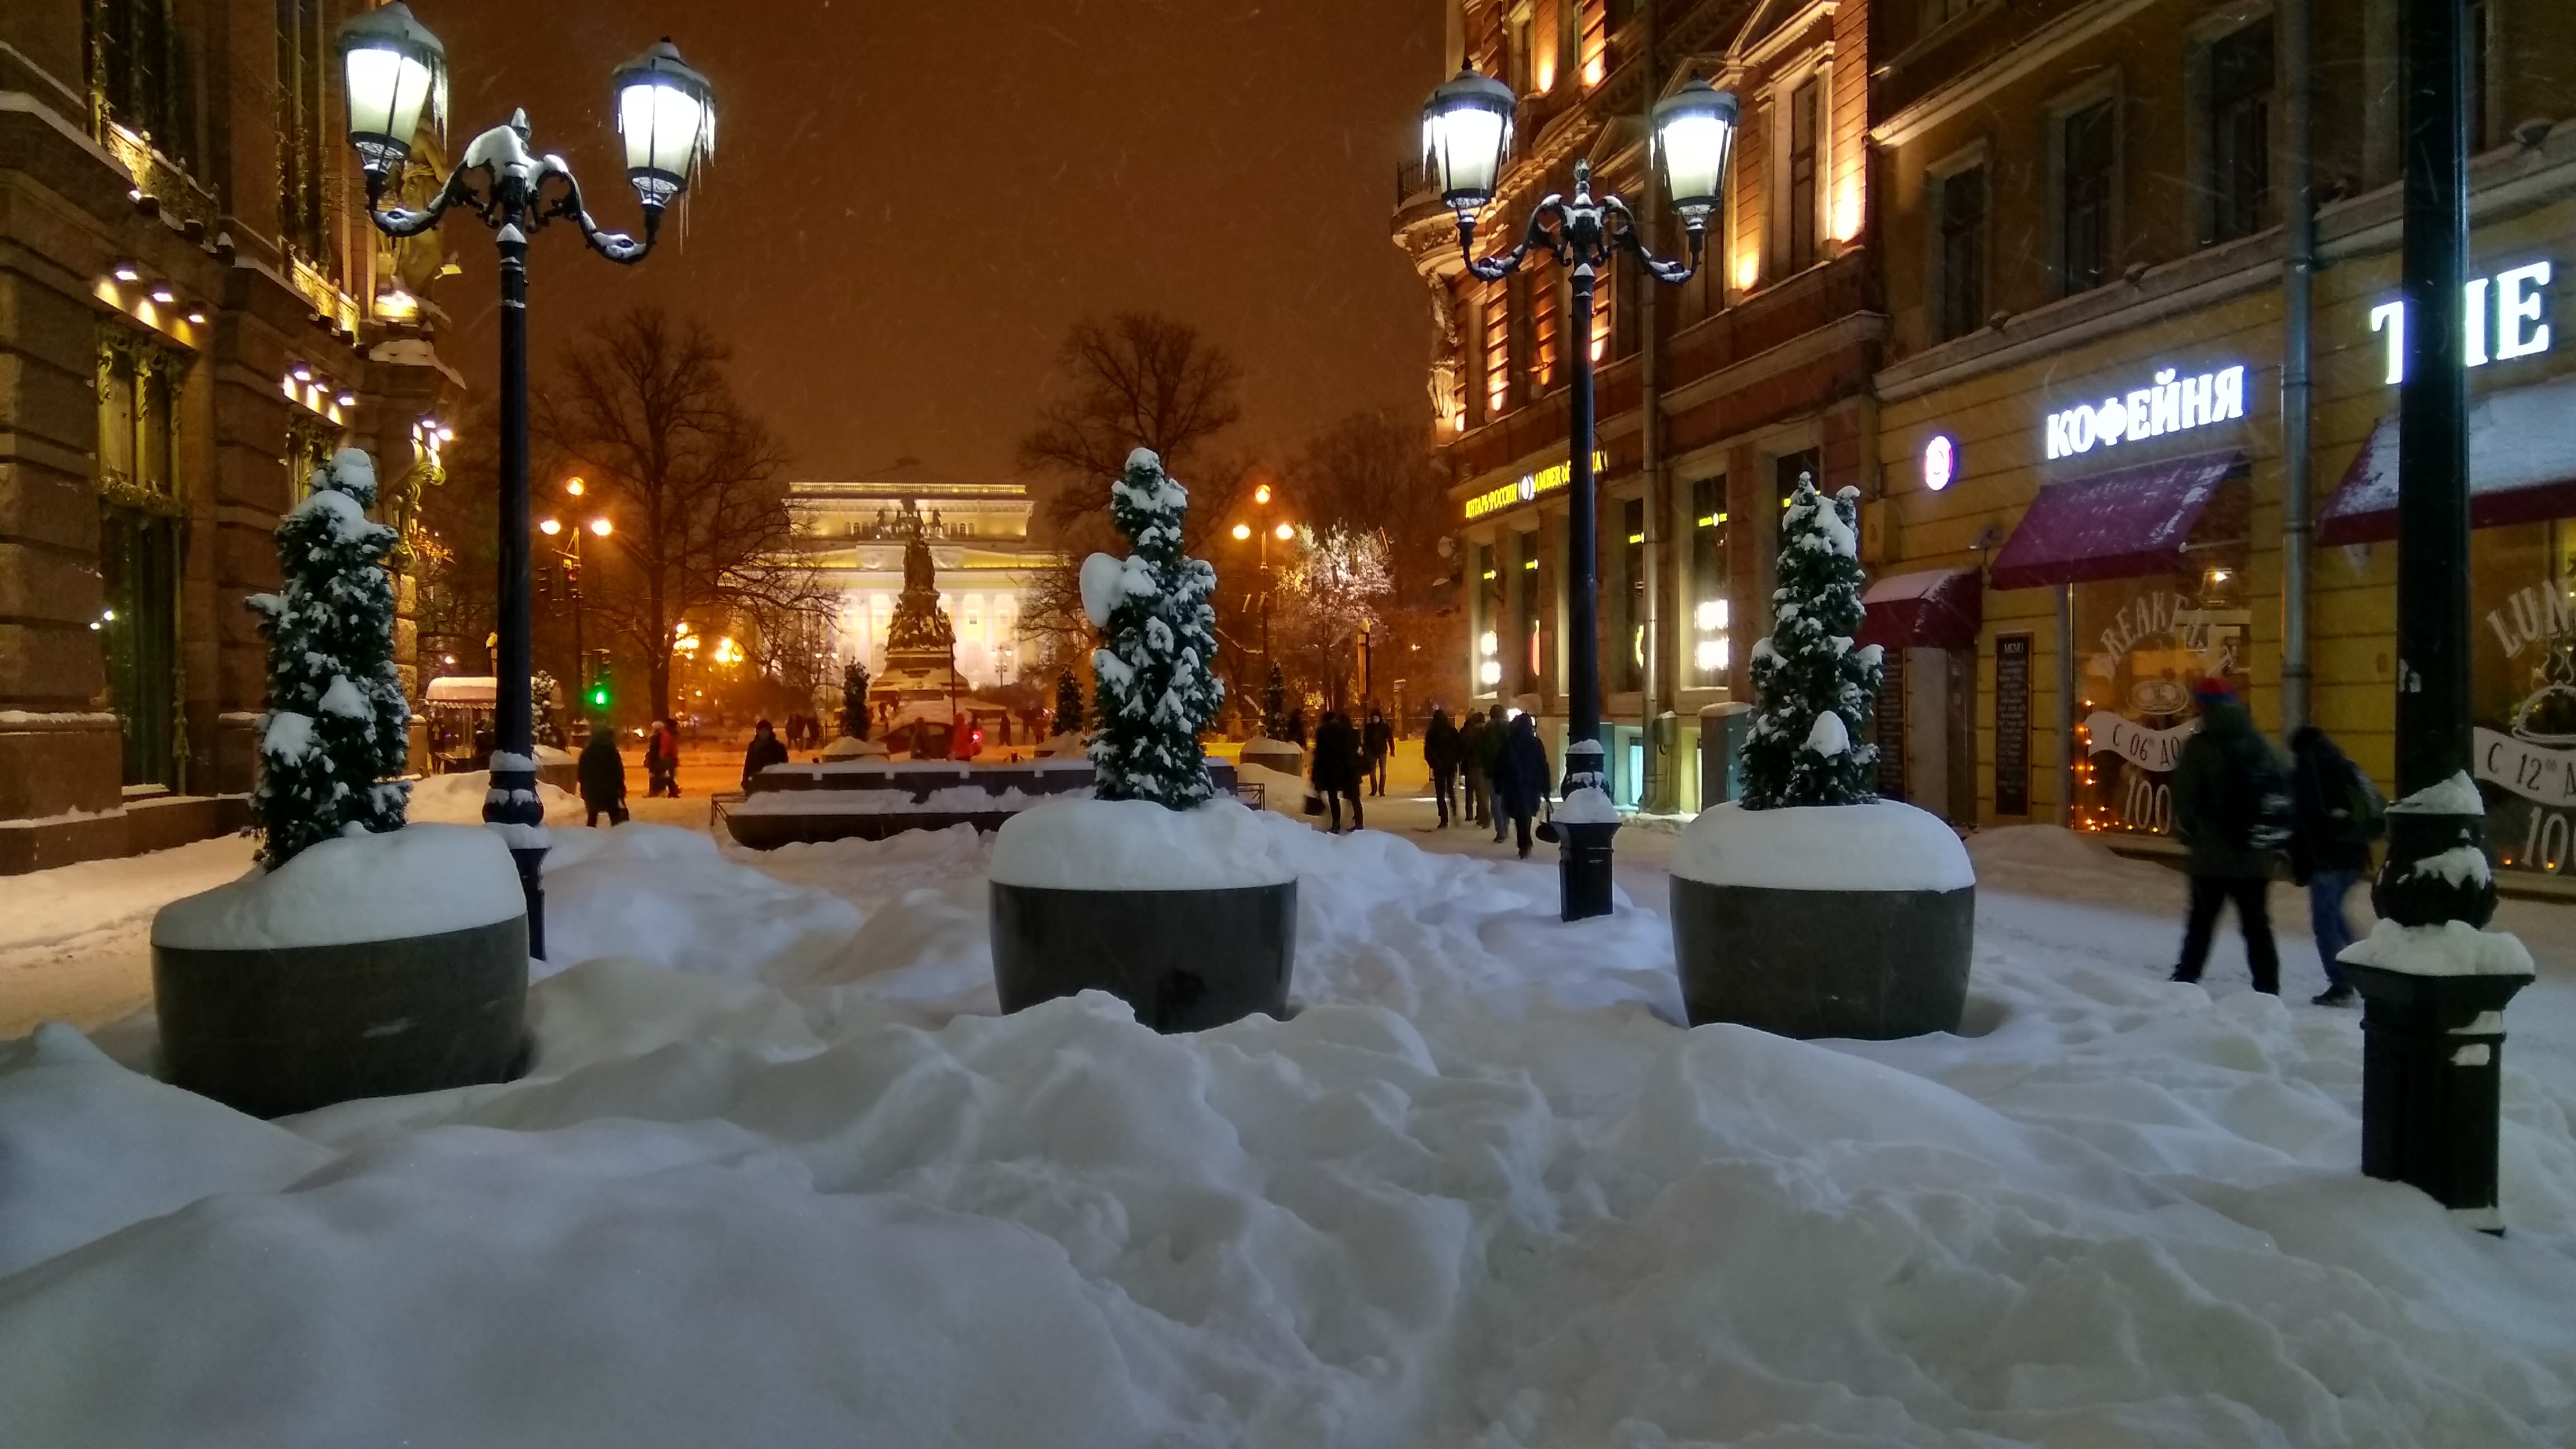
[1480,1192]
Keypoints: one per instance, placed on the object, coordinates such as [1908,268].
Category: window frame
[1780,228]
[1975,157]
[2206,39]
[2105,90]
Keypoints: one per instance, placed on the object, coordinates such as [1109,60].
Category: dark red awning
[2522,467]
[1932,609]
[2127,524]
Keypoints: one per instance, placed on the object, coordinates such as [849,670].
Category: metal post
[513,803]
[2431,1044]
[2297,308]
[1582,534]
[2066,706]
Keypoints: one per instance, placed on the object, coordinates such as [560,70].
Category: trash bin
[1723,729]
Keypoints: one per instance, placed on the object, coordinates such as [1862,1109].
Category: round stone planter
[274,1032]
[1277,755]
[1186,960]
[1824,963]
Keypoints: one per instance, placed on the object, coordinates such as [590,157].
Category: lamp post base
[2431,1076]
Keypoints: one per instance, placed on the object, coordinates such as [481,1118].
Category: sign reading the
[2520,304]
[2012,724]
[2174,404]
[1531,485]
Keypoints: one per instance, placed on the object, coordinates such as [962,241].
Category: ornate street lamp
[1466,136]
[395,75]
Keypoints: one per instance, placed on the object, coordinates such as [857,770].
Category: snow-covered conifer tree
[545,709]
[854,700]
[1817,690]
[1156,664]
[1068,704]
[334,734]
[1274,706]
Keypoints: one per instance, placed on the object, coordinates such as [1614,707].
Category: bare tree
[1372,475]
[693,483]
[1137,380]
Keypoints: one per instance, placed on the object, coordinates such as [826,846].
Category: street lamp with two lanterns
[1466,139]
[395,78]
[1265,531]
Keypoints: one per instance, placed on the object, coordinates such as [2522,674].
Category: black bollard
[2432,1068]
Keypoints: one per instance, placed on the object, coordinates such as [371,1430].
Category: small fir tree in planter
[854,700]
[333,739]
[546,708]
[1813,908]
[1068,703]
[1274,706]
[1158,686]
[1817,687]
[1153,891]
[365,959]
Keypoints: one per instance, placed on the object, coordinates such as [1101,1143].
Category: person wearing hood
[2232,810]
[603,777]
[1521,787]
[2339,814]
[767,749]
[1377,741]
[1442,751]
[1471,765]
[1336,769]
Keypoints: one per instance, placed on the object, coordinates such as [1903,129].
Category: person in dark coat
[1522,784]
[603,777]
[1489,760]
[2336,814]
[662,761]
[1297,726]
[1336,771]
[766,750]
[1443,751]
[2219,785]
[1377,741]
[1471,765]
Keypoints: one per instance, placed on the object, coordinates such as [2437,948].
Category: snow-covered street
[779,1176]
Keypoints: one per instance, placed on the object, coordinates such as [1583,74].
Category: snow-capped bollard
[1585,824]
[2434,988]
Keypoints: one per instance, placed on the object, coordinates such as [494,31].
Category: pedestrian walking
[766,750]
[1521,785]
[1471,765]
[2337,813]
[2233,811]
[1443,751]
[662,761]
[1336,771]
[1377,741]
[603,778]
[1490,747]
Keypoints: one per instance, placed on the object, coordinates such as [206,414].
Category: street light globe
[549,527]
[1242,531]
[573,487]
[667,114]
[1285,532]
[1261,494]
[601,527]
[1694,130]
[392,69]
[1466,131]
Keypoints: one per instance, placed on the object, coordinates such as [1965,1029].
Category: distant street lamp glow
[573,487]
[549,527]
[1242,531]
[1285,532]
[601,527]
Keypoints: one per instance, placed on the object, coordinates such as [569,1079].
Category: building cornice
[2034,53]
[1852,329]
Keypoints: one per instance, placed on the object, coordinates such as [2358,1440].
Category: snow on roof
[463,689]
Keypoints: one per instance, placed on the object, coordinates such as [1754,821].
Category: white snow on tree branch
[1103,576]
[1828,737]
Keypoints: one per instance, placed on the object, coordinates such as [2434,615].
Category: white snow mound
[1885,845]
[458,800]
[2453,948]
[421,880]
[1137,845]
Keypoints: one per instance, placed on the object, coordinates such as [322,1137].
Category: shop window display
[2140,645]
[2523,690]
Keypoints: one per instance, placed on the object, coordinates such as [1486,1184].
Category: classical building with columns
[192,311]
[853,534]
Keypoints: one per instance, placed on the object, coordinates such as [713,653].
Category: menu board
[1889,727]
[2012,724]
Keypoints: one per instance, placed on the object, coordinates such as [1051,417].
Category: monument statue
[920,626]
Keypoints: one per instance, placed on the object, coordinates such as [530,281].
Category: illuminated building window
[1708,584]
[1498,348]
[1547,309]
[1799,180]
[1628,661]
[1593,43]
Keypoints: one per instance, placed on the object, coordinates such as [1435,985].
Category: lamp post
[570,553]
[1265,531]
[1466,135]
[395,75]
[2432,1044]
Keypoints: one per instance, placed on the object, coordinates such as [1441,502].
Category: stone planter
[1186,960]
[278,1031]
[1277,755]
[1873,964]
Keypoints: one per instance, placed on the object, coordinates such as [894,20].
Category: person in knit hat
[2231,808]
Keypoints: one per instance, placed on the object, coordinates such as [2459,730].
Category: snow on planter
[1136,845]
[422,880]
[1885,845]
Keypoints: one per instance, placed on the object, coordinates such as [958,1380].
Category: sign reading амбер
[2173,404]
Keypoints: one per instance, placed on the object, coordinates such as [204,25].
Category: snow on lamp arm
[394,75]
[1466,138]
